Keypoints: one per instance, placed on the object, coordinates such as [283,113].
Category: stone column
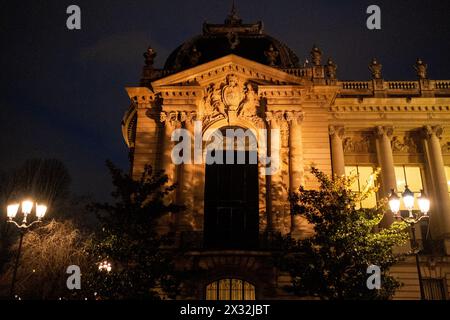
[275,208]
[170,122]
[185,221]
[386,162]
[439,219]
[337,150]
[296,165]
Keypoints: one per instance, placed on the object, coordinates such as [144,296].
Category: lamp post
[411,220]
[12,210]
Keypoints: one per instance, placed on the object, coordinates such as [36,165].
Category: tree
[332,264]
[142,265]
[47,252]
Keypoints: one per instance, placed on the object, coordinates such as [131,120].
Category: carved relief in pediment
[230,99]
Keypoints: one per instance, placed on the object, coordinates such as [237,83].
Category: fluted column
[440,219]
[275,209]
[186,195]
[170,122]
[337,150]
[386,162]
[296,165]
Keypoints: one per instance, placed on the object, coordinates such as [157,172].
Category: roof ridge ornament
[233,23]
[233,17]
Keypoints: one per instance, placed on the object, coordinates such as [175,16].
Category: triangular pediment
[212,71]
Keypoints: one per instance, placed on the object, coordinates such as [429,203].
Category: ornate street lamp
[412,220]
[12,210]
[105,266]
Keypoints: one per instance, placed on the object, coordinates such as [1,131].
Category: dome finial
[233,17]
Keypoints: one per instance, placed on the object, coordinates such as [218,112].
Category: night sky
[62,92]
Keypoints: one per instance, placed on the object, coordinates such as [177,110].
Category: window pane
[370,201]
[352,171]
[414,178]
[447,173]
[364,176]
[230,289]
[211,291]
[249,291]
[224,289]
[364,173]
[236,289]
[401,180]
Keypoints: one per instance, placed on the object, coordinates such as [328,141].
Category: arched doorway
[231,197]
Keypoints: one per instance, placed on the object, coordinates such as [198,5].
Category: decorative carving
[359,146]
[232,93]
[406,145]
[375,68]
[170,119]
[275,118]
[446,147]
[233,39]
[229,100]
[233,18]
[271,55]
[294,117]
[194,56]
[398,145]
[336,130]
[284,130]
[149,56]
[431,131]
[214,107]
[421,69]
[249,104]
[187,118]
[330,69]
[381,131]
[316,55]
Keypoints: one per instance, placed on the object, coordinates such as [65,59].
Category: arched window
[230,289]
[231,194]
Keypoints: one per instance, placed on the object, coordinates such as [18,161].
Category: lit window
[434,289]
[411,176]
[363,173]
[447,173]
[230,289]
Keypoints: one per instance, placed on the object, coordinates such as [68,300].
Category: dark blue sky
[63,91]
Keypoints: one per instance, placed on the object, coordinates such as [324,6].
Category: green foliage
[142,265]
[332,264]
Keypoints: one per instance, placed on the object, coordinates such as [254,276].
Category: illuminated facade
[236,76]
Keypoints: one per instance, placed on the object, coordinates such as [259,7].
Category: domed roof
[233,37]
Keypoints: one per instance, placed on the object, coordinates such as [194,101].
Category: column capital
[188,117]
[430,131]
[294,117]
[338,131]
[170,119]
[381,131]
[275,118]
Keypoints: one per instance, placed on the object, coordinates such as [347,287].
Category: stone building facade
[234,75]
